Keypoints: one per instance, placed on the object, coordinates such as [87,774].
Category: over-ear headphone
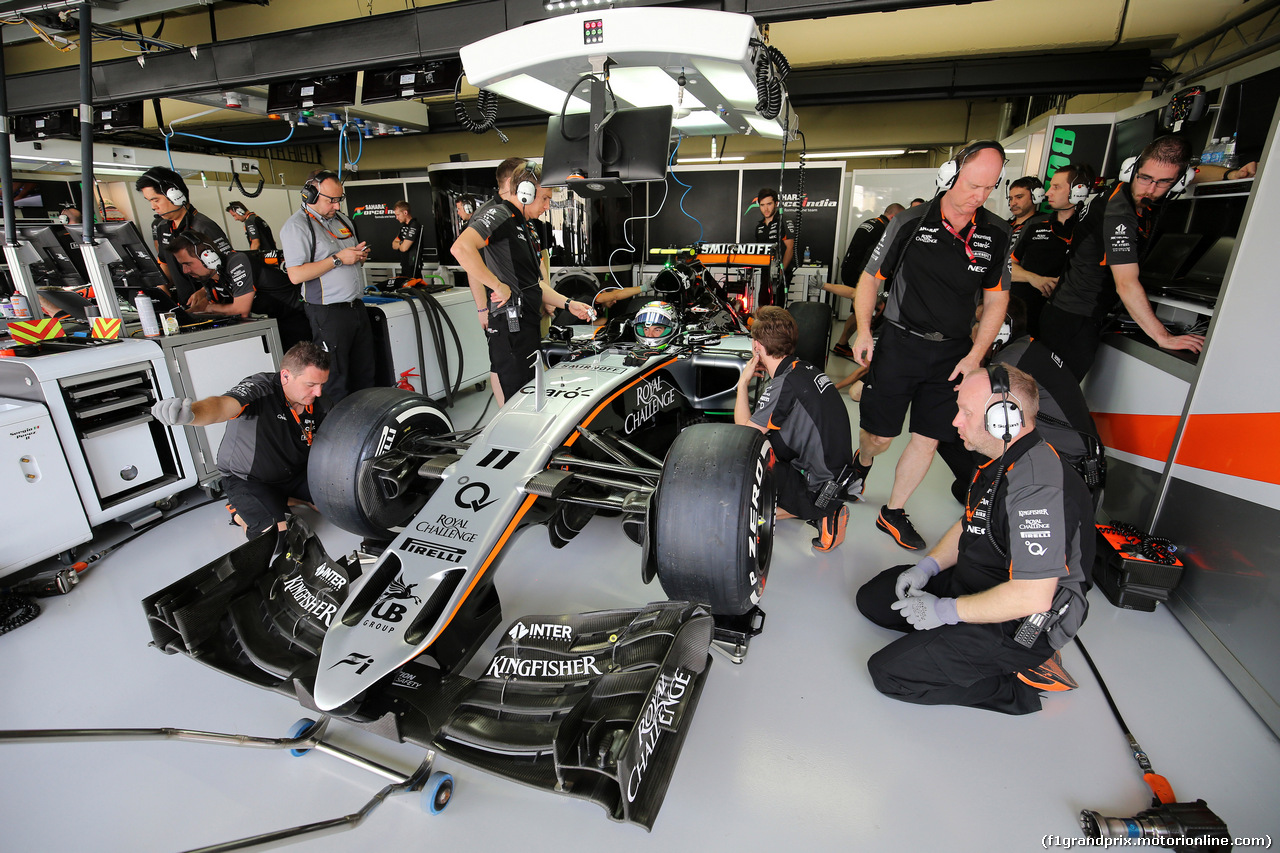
[950,170]
[1037,196]
[1129,168]
[1004,416]
[1080,193]
[468,206]
[207,253]
[311,189]
[527,189]
[63,219]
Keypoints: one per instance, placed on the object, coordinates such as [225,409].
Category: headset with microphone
[173,190]
[468,205]
[950,170]
[527,188]
[1004,415]
[205,251]
[311,189]
[1037,191]
[62,218]
[1129,168]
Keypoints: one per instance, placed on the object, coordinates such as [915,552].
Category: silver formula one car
[593,705]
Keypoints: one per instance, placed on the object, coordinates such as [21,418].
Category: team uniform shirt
[1044,244]
[1041,514]
[268,442]
[773,232]
[410,231]
[938,275]
[256,228]
[511,252]
[163,232]
[1115,235]
[307,238]
[864,242]
[807,422]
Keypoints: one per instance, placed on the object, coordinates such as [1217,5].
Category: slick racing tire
[362,427]
[713,526]
[814,341]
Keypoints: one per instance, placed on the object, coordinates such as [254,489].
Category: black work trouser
[343,329]
[1074,338]
[964,664]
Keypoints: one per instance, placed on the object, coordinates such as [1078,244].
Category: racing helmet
[656,325]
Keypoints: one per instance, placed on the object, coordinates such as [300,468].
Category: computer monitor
[137,266]
[61,264]
[634,146]
[1211,269]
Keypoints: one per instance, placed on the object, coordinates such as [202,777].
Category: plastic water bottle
[1213,152]
[806,256]
[147,315]
[1229,157]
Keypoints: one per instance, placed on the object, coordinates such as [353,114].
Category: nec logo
[977,268]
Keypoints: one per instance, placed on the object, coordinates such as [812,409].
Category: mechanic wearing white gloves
[806,421]
[985,613]
[271,421]
[501,253]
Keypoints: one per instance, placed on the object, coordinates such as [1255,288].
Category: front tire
[361,428]
[713,528]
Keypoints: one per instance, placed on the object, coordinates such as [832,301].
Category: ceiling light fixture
[841,155]
[713,159]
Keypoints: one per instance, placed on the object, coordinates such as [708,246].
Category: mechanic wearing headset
[1041,248]
[240,283]
[1023,548]
[256,229]
[1107,251]
[69,214]
[322,254]
[407,241]
[940,256]
[499,251]
[806,421]
[1023,202]
[465,207]
[271,421]
[170,200]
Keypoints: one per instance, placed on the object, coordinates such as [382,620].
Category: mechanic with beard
[500,251]
[166,192]
[1105,262]
[1041,249]
[1023,548]
[806,421]
[322,254]
[239,284]
[940,257]
[1022,201]
[775,230]
[256,229]
[271,421]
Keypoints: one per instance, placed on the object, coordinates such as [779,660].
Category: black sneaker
[859,480]
[896,523]
[1048,676]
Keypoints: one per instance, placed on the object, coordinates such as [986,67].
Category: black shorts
[262,505]
[511,354]
[909,371]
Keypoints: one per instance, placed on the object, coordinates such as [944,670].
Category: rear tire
[814,341]
[362,427]
[713,528]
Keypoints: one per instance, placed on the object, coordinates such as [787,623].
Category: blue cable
[173,133]
[687,187]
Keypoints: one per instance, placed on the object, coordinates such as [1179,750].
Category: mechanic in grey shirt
[322,254]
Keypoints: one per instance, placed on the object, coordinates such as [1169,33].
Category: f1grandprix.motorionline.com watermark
[1180,842]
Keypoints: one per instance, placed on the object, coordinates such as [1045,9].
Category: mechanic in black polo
[170,200]
[1106,253]
[774,229]
[1041,248]
[239,284]
[408,241]
[806,421]
[500,251]
[865,239]
[940,256]
[322,253]
[1024,546]
[271,421]
[256,229]
[1022,201]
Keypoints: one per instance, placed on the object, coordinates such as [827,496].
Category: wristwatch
[337,261]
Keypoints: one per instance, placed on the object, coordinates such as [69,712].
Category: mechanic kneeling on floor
[986,612]
[271,420]
[806,421]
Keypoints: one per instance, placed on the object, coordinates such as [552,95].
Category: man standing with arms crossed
[939,257]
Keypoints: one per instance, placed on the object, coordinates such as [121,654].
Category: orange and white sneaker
[831,529]
[1048,676]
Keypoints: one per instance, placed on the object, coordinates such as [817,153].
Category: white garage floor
[792,750]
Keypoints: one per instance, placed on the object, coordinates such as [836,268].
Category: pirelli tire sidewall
[713,526]
[813,321]
[362,427]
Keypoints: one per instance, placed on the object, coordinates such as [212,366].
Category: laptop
[1203,281]
[1167,260]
